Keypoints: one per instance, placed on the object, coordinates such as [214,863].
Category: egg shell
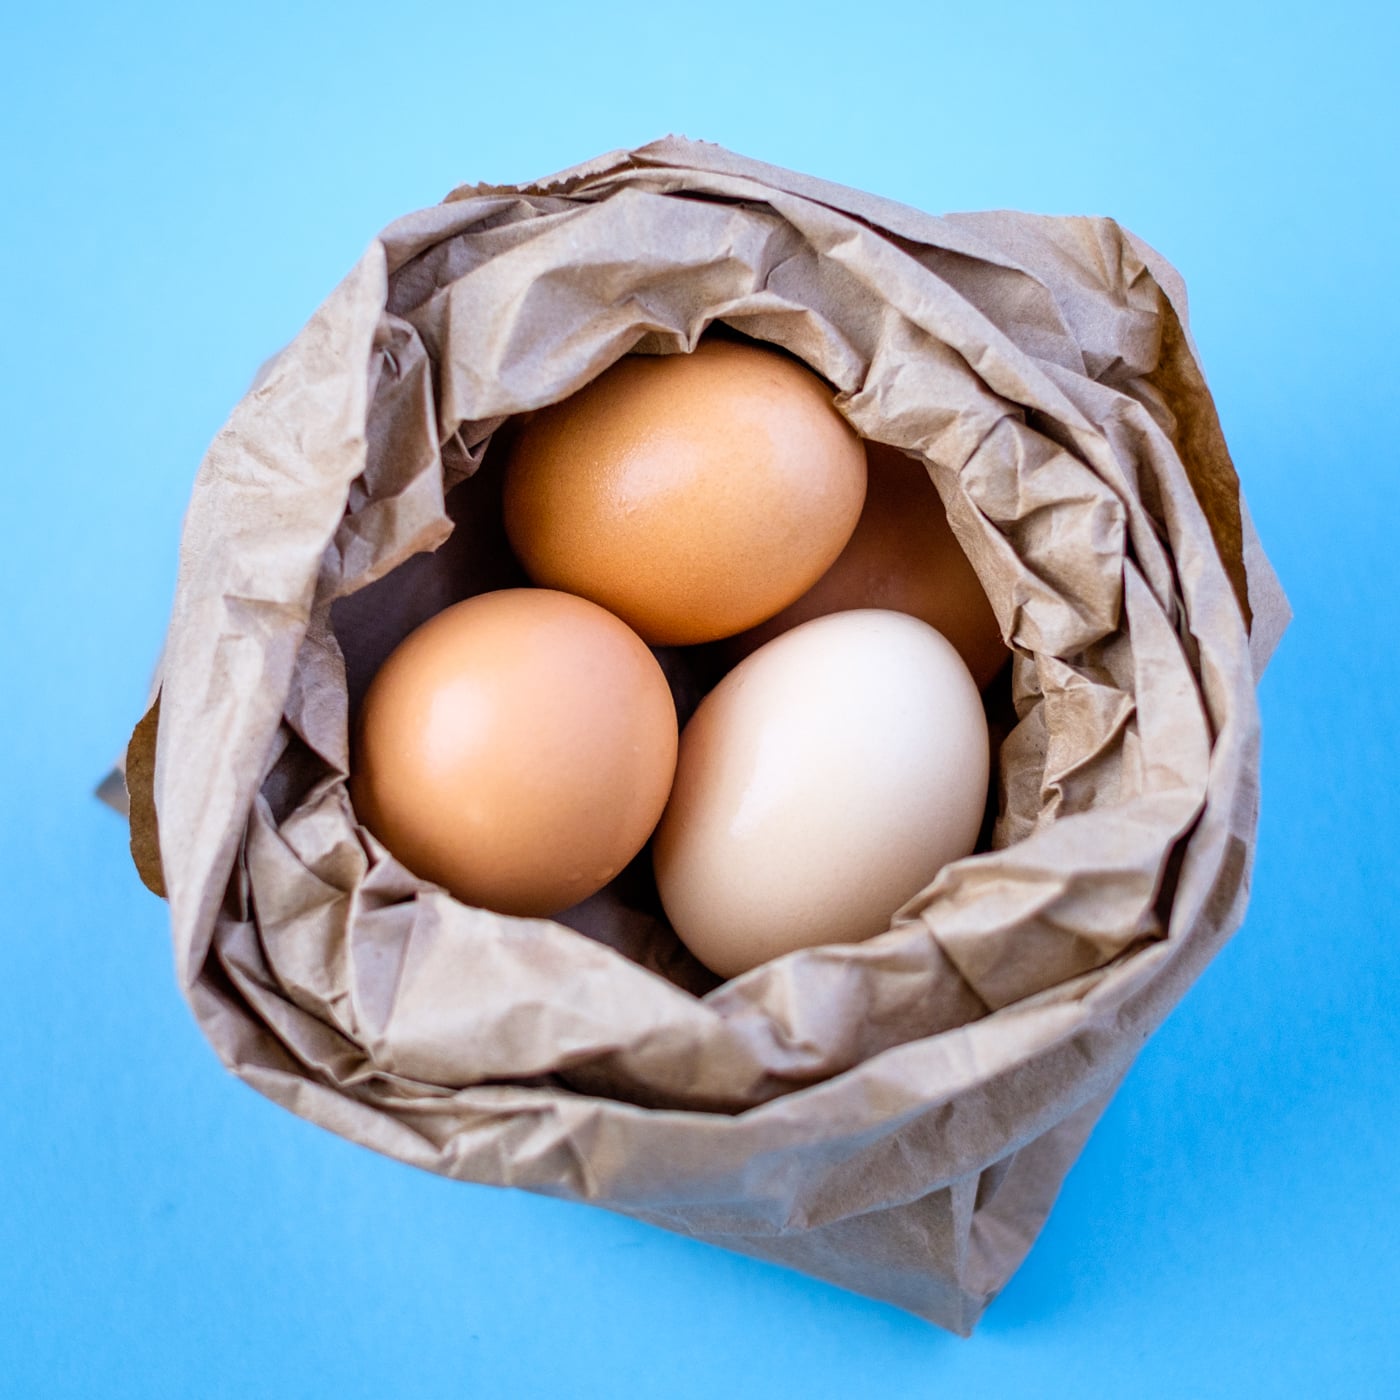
[517,749]
[903,556]
[821,785]
[693,495]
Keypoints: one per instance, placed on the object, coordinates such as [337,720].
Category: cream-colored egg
[823,783]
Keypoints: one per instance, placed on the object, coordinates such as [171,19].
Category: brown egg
[903,556]
[693,495]
[517,749]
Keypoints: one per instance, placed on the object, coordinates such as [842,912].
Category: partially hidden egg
[517,749]
[693,494]
[904,556]
[821,785]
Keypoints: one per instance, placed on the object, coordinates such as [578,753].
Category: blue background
[180,190]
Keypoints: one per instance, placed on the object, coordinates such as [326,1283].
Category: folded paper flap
[677,156]
[268,498]
[1264,603]
[1016,356]
[139,771]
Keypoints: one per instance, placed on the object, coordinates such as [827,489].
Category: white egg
[823,783]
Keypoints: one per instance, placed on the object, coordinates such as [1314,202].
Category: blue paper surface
[181,187]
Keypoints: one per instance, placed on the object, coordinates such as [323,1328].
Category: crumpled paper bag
[895,1116]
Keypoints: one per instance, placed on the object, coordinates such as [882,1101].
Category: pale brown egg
[902,556]
[693,495]
[517,749]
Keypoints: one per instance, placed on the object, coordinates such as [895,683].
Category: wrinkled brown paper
[895,1116]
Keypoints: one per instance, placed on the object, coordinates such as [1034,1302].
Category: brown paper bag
[894,1116]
